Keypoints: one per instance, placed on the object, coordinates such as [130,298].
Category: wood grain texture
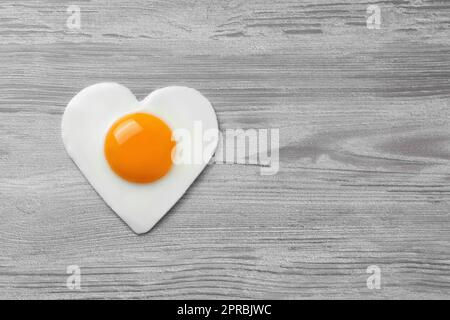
[364,119]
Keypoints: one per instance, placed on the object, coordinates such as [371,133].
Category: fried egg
[125,147]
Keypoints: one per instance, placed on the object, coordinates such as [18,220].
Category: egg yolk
[138,148]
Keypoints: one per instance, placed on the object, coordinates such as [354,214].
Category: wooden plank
[364,148]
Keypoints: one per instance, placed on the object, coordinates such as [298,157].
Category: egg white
[85,123]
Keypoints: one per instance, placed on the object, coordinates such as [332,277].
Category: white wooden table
[364,119]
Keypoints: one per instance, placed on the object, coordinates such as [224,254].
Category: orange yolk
[138,148]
